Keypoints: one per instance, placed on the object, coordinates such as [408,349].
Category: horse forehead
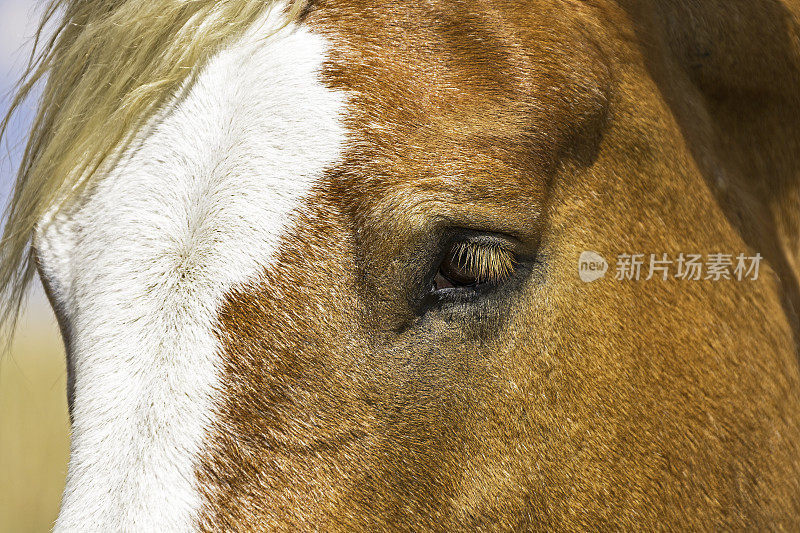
[237,151]
[479,93]
[440,58]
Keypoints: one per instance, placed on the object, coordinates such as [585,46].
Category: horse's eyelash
[492,263]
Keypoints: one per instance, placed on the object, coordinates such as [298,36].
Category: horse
[315,264]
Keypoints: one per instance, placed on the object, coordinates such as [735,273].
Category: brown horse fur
[355,402]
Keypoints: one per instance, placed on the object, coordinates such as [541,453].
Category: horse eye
[468,264]
[453,273]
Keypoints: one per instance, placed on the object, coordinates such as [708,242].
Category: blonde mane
[109,65]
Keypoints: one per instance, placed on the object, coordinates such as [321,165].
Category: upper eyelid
[494,261]
[478,236]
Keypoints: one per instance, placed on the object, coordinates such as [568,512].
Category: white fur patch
[138,270]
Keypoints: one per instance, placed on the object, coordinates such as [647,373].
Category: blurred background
[34,426]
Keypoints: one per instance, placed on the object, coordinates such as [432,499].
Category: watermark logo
[592,266]
[683,267]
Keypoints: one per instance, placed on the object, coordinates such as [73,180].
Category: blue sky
[18,19]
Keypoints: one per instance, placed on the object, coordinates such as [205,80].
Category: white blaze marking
[139,270]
